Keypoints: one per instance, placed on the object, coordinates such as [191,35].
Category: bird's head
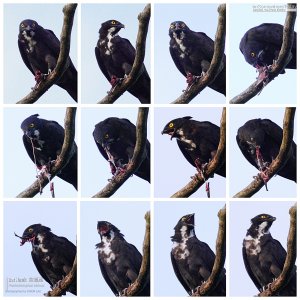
[261,224]
[31,127]
[31,232]
[111,27]
[174,126]
[178,29]
[184,228]
[28,28]
[108,230]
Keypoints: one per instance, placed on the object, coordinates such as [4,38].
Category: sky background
[206,228]
[94,84]
[283,89]
[240,178]
[49,16]
[240,215]
[19,170]
[127,216]
[95,168]
[172,170]
[169,82]
[18,215]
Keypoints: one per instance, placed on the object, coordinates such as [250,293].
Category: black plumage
[40,49]
[260,141]
[192,259]
[115,56]
[192,53]
[261,45]
[264,256]
[115,139]
[52,255]
[198,141]
[43,141]
[119,261]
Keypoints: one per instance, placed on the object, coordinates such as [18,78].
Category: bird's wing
[101,64]
[273,130]
[178,275]
[52,41]
[185,152]
[249,271]
[206,43]
[278,259]
[174,55]
[39,267]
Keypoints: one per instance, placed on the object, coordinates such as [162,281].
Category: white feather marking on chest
[179,42]
[181,248]
[251,244]
[110,37]
[184,139]
[106,249]
[41,246]
[40,142]
[30,40]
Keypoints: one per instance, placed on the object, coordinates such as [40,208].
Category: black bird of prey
[115,139]
[264,256]
[52,255]
[261,46]
[40,49]
[198,141]
[192,53]
[259,141]
[43,141]
[192,259]
[119,261]
[115,56]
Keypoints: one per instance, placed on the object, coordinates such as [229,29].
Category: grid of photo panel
[149,149]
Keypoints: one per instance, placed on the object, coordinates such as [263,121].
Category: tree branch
[143,278]
[217,272]
[278,66]
[216,65]
[62,160]
[279,161]
[216,163]
[65,282]
[290,260]
[65,42]
[136,160]
[136,71]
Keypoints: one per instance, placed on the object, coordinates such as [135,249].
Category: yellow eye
[171,125]
[30,230]
[172,26]
[22,25]
[183,219]
[31,125]
[252,54]
[113,22]
[106,136]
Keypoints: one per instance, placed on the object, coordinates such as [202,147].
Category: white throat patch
[110,36]
[179,41]
[41,246]
[184,139]
[106,249]
[181,248]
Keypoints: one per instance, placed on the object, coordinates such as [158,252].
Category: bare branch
[279,161]
[61,161]
[290,260]
[65,42]
[136,160]
[216,65]
[136,71]
[217,272]
[278,66]
[216,163]
[65,283]
[143,278]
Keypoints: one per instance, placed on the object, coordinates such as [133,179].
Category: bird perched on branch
[261,45]
[192,259]
[40,50]
[260,141]
[52,255]
[119,261]
[198,141]
[115,56]
[43,141]
[192,53]
[264,256]
[116,139]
